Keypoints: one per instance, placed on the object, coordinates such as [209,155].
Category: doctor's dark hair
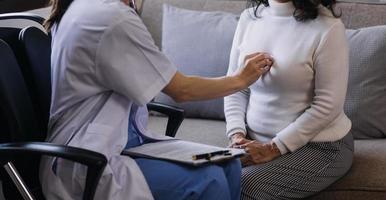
[304,9]
[59,7]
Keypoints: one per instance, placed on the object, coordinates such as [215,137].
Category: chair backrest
[32,49]
[18,119]
[25,95]
[35,48]
[15,103]
[10,36]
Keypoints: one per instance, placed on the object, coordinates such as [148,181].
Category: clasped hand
[257,152]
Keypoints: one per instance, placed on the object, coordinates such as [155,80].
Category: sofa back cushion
[354,15]
[367,86]
[366,93]
[199,43]
[152,11]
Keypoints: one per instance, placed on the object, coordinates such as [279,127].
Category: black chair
[33,50]
[20,120]
[35,54]
[31,61]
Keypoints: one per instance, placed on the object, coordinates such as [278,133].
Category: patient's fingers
[243,146]
[239,142]
[246,160]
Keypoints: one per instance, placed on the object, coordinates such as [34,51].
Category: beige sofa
[366,179]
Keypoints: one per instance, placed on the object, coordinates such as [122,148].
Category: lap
[298,174]
[169,180]
[164,170]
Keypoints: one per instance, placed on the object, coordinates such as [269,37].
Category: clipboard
[184,152]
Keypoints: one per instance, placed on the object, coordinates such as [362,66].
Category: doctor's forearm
[190,88]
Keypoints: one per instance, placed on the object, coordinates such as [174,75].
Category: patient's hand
[237,140]
[258,153]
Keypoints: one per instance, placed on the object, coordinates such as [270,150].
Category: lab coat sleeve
[128,62]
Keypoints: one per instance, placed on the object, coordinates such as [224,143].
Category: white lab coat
[103,62]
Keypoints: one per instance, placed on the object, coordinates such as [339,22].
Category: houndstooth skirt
[300,174]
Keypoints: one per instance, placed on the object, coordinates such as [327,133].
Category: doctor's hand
[256,65]
[258,153]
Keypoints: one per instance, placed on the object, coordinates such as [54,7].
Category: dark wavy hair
[59,7]
[304,9]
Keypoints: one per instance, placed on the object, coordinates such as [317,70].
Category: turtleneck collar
[281,9]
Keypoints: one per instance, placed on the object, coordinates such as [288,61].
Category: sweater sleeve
[235,105]
[331,77]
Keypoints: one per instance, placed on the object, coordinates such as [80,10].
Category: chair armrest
[175,116]
[94,161]
[23,15]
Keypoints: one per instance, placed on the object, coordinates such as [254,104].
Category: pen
[211,154]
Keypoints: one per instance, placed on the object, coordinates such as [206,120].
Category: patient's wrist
[274,148]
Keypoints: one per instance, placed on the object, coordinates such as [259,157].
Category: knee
[232,170]
[210,183]
[252,176]
[234,165]
[213,176]
[258,183]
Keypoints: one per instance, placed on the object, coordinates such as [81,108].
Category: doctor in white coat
[105,68]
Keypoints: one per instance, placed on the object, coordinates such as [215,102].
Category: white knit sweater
[301,98]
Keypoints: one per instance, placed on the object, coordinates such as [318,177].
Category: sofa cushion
[152,12]
[367,65]
[199,43]
[197,130]
[366,92]
[367,171]
[354,15]
[364,14]
[348,195]
[366,174]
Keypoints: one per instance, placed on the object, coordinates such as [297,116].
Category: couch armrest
[175,115]
[94,161]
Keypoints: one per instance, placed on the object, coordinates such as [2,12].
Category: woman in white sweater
[291,121]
